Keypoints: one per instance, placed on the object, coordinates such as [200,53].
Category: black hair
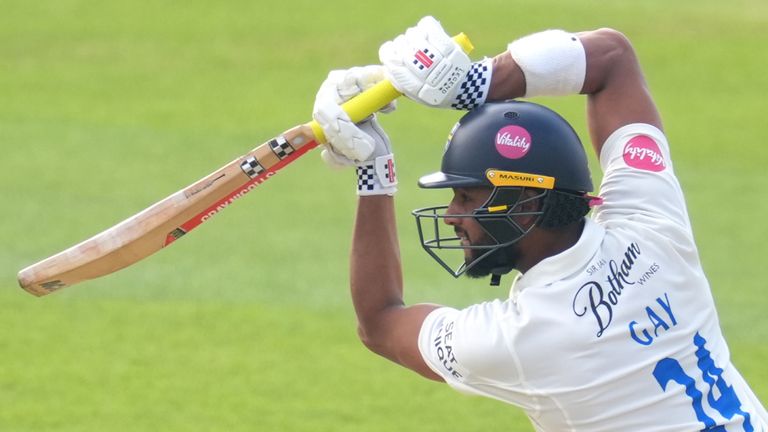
[562,208]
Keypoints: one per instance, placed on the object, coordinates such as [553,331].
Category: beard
[501,260]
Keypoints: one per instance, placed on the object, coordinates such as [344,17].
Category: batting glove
[365,146]
[430,67]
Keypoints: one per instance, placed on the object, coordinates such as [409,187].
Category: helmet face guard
[495,218]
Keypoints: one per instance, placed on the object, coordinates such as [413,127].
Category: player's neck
[541,244]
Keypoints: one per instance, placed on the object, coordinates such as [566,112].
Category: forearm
[507,81]
[375,270]
[385,325]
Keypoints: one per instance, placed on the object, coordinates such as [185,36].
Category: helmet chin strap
[500,270]
[496,275]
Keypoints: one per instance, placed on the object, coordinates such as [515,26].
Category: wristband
[554,63]
[377,177]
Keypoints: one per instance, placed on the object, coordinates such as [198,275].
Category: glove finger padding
[361,78]
[342,85]
[358,79]
[345,139]
[343,136]
[392,55]
[329,89]
[434,32]
[335,160]
[430,67]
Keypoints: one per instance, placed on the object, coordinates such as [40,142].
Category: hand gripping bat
[166,221]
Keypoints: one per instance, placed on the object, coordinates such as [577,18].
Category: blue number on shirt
[728,404]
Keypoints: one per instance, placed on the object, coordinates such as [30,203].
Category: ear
[531,205]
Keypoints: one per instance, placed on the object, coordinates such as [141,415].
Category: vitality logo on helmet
[513,142]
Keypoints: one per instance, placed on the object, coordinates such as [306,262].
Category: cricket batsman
[610,324]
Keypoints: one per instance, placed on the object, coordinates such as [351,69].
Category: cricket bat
[166,221]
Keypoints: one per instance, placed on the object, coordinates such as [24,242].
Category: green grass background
[106,107]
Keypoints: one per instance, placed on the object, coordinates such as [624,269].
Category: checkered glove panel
[377,177]
[474,89]
[366,178]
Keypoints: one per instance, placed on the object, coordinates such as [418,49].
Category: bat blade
[166,221]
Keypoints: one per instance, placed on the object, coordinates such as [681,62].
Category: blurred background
[246,324]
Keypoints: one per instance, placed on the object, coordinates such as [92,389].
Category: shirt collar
[567,262]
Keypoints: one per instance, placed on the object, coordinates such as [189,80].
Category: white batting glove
[428,66]
[365,146]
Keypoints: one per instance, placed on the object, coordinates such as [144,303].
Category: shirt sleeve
[639,183]
[468,348]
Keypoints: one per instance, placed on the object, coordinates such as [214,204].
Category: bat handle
[373,99]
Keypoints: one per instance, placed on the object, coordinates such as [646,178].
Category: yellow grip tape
[376,97]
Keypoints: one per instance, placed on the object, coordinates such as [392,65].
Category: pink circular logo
[643,153]
[513,142]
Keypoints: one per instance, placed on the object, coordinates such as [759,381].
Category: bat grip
[376,97]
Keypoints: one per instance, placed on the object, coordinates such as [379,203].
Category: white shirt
[617,333]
